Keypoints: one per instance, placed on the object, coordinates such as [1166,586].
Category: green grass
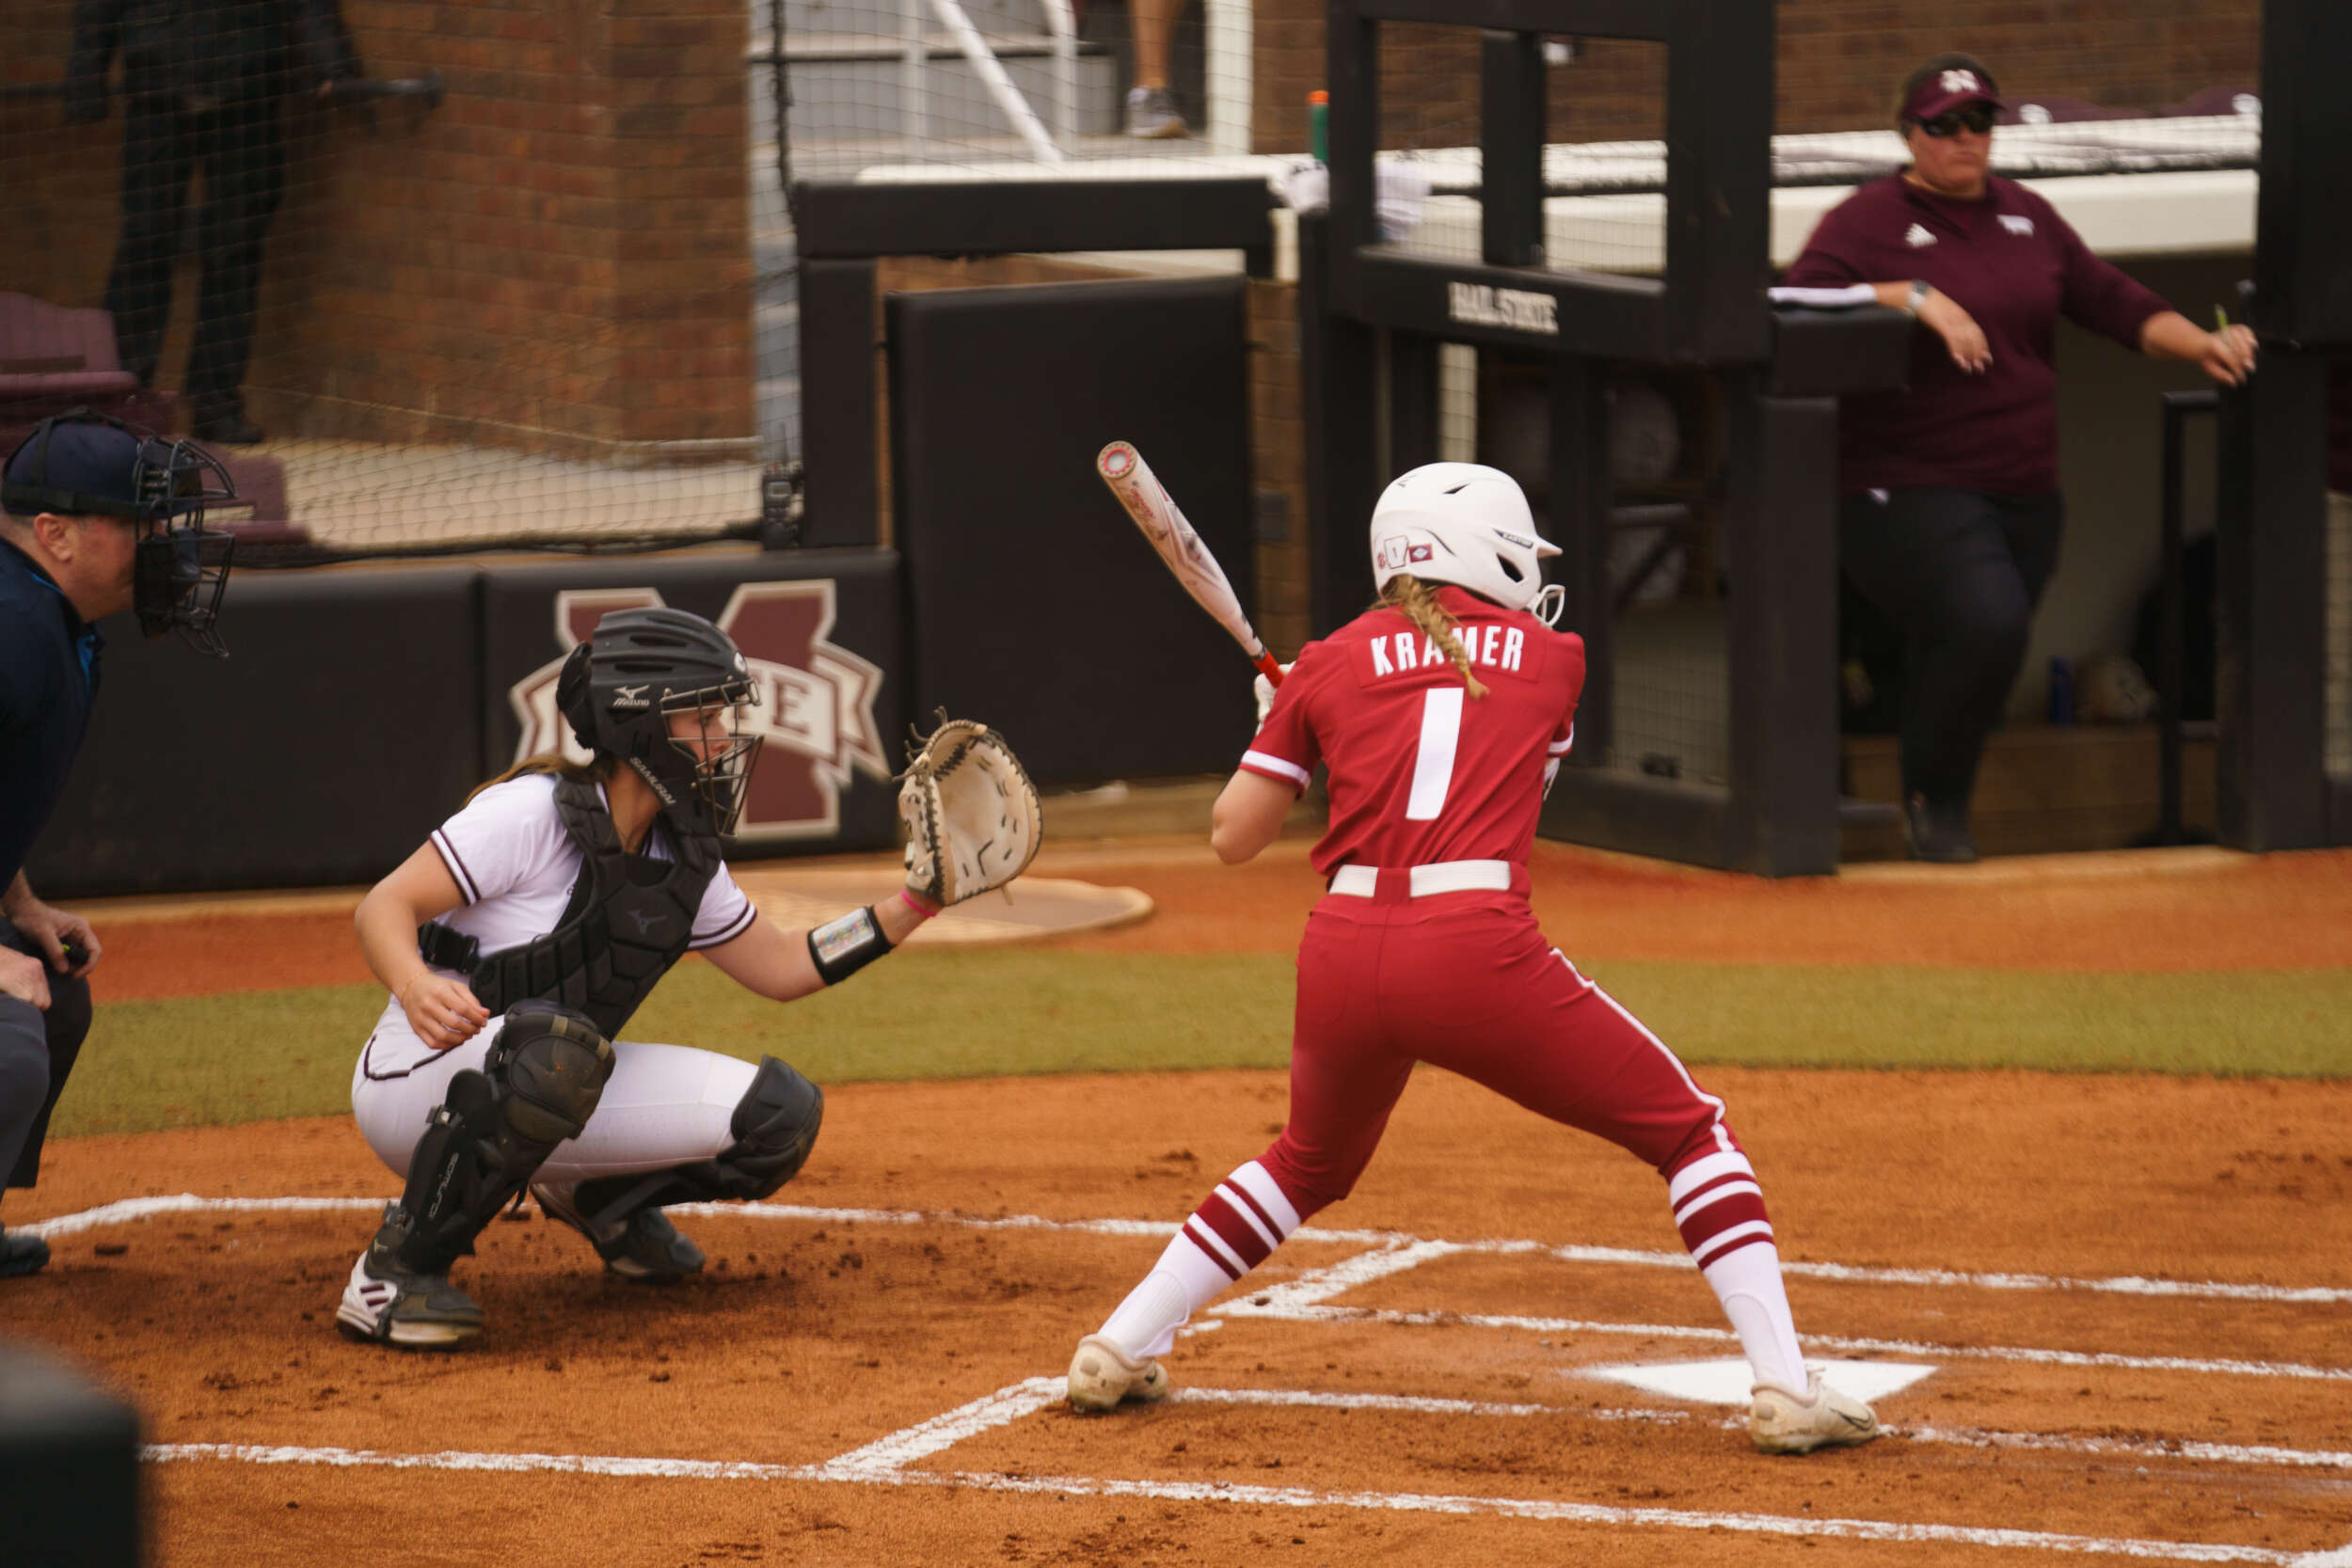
[257,1055]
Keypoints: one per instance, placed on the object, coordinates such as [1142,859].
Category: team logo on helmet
[813,701]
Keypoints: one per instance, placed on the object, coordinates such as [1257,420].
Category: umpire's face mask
[181,567]
[177,578]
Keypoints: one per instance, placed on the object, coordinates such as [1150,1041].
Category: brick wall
[1837,64]
[556,258]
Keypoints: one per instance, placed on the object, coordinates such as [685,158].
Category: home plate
[1730,1382]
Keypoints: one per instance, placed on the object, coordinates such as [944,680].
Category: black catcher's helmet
[82,463]
[618,690]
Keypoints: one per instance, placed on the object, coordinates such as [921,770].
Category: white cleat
[391,1306]
[1104,1377]
[1822,1417]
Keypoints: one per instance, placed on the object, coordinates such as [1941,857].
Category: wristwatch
[1919,292]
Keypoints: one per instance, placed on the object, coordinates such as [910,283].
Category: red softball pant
[1466,982]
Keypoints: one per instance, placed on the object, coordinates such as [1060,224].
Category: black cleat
[21,1254]
[645,1247]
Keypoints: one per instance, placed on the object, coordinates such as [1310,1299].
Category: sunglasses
[1976,118]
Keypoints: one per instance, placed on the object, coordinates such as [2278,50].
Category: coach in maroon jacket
[1951,513]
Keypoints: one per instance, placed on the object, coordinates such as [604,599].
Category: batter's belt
[1396,883]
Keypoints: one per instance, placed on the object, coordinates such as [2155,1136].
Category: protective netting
[428,278]
[526,273]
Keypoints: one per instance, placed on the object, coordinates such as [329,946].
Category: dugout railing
[1373,316]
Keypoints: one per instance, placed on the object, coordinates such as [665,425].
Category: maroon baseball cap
[1944,90]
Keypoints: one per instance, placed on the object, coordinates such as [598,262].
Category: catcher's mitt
[969,811]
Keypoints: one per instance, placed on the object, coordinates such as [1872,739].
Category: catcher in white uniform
[520,939]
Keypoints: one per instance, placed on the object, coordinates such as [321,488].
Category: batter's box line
[1295,1301]
[884,1463]
[1965,1437]
[1919,1348]
[127,1210]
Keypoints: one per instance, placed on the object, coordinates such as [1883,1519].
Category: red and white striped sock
[1235,1229]
[1718,1209]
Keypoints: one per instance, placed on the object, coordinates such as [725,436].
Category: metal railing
[2171,612]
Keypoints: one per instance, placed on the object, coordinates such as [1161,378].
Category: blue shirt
[49,658]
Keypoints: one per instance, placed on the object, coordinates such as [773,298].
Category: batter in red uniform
[1443,714]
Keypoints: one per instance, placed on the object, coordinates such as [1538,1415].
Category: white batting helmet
[1466,524]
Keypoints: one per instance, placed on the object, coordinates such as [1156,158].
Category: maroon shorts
[1466,981]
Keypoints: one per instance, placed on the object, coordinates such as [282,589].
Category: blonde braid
[1414,599]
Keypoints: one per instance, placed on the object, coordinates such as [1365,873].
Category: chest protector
[629,920]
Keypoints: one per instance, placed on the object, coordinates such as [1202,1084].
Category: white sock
[1232,1231]
[1747,1282]
[1179,1284]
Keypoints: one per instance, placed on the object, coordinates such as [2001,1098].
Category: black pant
[1960,572]
[239,147]
[37,1052]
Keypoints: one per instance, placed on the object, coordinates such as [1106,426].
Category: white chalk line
[986,1411]
[1911,1348]
[1298,1300]
[884,1462]
[1313,1287]
[1403,1403]
[942,1433]
[2224,1453]
[150,1208]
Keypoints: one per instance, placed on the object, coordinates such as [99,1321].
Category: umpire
[96,518]
[203,84]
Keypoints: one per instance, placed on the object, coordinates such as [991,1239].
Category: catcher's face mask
[705,728]
[84,464]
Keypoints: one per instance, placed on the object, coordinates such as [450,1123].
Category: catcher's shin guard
[540,1083]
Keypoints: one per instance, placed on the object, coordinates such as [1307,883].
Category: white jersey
[515,865]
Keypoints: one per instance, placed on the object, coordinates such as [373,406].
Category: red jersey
[1421,771]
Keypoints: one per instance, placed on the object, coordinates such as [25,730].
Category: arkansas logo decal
[814,705]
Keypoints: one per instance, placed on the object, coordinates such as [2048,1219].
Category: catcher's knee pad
[775,1126]
[540,1083]
[554,1066]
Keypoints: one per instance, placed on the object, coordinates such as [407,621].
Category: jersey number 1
[1433,763]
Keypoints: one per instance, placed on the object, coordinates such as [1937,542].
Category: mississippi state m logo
[813,702]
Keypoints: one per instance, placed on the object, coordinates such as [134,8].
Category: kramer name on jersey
[1499,649]
[813,702]
[1520,309]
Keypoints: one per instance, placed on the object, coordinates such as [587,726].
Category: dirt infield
[787,1391]
[2131,1292]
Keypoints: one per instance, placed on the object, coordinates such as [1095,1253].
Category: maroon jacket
[2016,267]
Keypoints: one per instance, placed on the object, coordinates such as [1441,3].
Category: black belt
[444,948]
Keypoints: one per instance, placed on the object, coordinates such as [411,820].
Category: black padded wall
[322,750]
[1033,602]
[360,705]
[819,630]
